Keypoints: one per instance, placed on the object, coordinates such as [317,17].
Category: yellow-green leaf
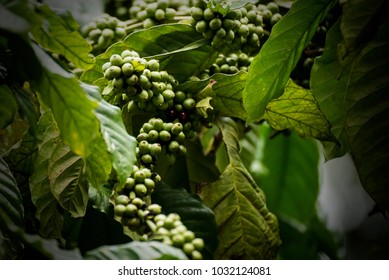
[298,110]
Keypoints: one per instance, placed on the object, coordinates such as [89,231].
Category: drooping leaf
[367,121]
[28,107]
[246,229]
[10,198]
[298,110]
[359,24]
[73,111]
[119,144]
[362,118]
[194,214]
[8,106]
[67,180]
[11,207]
[270,70]
[328,84]
[136,250]
[55,35]
[47,207]
[46,248]
[292,182]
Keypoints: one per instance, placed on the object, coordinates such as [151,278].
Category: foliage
[182,130]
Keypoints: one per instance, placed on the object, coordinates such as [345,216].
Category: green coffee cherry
[189,103]
[122,199]
[164,136]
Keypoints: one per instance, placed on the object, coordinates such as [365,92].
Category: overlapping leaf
[136,250]
[194,214]
[246,229]
[271,68]
[361,116]
[73,111]
[180,49]
[225,90]
[8,106]
[67,181]
[58,36]
[359,24]
[119,144]
[298,110]
[47,208]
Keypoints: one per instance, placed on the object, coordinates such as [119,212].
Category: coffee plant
[186,129]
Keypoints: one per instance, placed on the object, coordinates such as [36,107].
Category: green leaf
[359,24]
[291,184]
[11,207]
[47,207]
[16,16]
[328,84]
[47,248]
[194,214]
[298,110]
[225,90]
[55,35]
[119,144]
[10,197]
[223,6]
[270,70]
[97,229]
[67,181]
[136,250]
[8,106]
[179,47]
[72,109]
[367,122]
[362,119]
[246,229]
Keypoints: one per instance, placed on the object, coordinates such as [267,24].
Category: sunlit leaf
[55,35]
[298,110]
[73,111]
[270,70]
[119,144]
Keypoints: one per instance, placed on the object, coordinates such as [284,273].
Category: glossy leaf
[73,111]
[180,49]
[55,35]
[47,207]
[119,144]
[194,214]
[298,110]
[246,229]
[136,250]
[270,70]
